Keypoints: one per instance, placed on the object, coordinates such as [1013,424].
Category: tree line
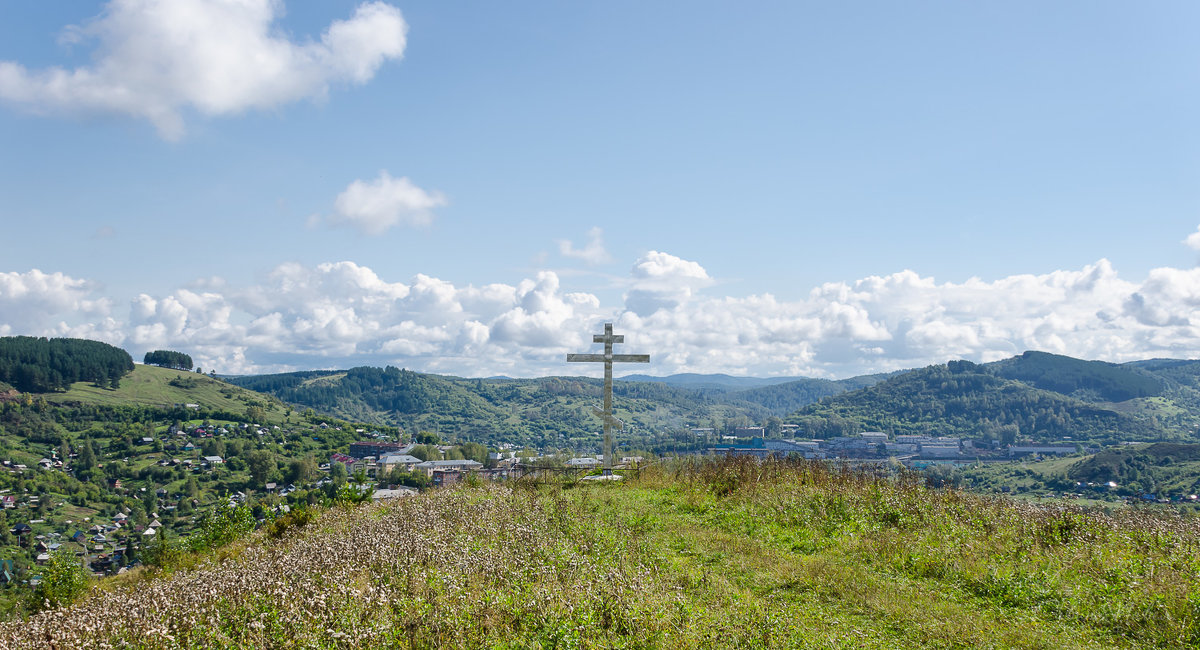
[168,359]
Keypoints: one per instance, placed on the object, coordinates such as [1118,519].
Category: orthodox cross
[608,358]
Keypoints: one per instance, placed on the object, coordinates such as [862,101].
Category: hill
[965,399]
[166,388]
[1139,469]
[1109,476]
[550,412]
[1086,380]
[784,398]
[731,554]
[34,364]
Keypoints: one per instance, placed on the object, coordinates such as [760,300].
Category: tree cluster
[168,359]
[40,365]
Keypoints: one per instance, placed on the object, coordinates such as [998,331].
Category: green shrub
[63,580]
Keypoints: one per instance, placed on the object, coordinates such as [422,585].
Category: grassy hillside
[732,554]
[164,388]
[1166,470]
[1162,467]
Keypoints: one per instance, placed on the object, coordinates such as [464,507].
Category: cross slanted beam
[608,358]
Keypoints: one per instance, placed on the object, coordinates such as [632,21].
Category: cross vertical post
[606,415]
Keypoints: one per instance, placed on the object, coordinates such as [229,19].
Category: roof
[583,462]
[391,459]
[392,494]
[450,463]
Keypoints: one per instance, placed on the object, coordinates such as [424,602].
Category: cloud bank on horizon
[343,314]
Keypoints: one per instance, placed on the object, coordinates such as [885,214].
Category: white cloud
[663,281]
[157,59]
[35,302]
[1193,240]
[342,314]
[593,252]
[375,207]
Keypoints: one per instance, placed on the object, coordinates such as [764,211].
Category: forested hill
[554,411]
[784,398]
[965,399]
[716,381]
[1088,380]
[39,365]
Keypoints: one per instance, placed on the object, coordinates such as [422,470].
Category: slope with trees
[1087,380]
[40,365]
[964,399]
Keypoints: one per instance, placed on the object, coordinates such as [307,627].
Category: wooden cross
[608,358]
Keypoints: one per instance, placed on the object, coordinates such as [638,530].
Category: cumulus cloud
[663,281]
[36,302]
[342,314]
[157,59]
[375,207]
[1193,240]
[593,252]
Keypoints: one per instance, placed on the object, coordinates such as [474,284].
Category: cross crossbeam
[608,358]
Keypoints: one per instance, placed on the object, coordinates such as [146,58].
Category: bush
[224,524]
[297,518]
[63,580]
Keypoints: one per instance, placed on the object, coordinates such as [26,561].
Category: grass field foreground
[732,553]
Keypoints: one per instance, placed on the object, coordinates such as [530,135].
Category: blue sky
[774,189]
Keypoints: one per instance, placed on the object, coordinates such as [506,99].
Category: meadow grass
[151,386]
[731,553]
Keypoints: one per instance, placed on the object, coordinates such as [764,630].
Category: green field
[728,554]
[151,386]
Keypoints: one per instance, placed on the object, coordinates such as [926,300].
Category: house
[762,448]
[874,437]
[214,460]
[430,466]
[586,462]
[389,462]
[376,449]
[343,459]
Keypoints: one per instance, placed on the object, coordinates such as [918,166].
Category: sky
[765,189]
